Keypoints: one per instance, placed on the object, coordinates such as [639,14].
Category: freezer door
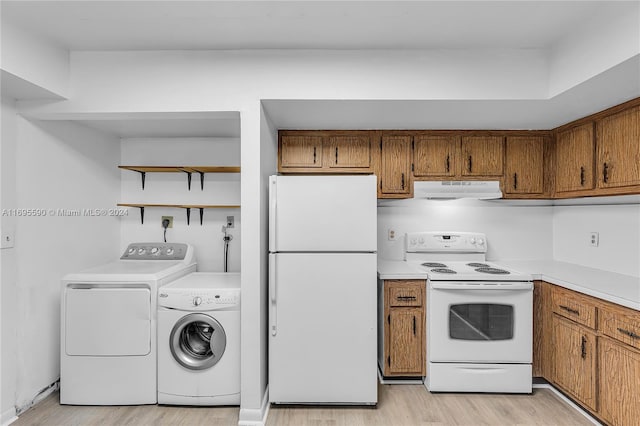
[322,213]
[323,338]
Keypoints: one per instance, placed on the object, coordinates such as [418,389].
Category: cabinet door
[482,155]
[619,374]
[574,159]
[349,151]
[542,331]
[575,360]
[436,156]
[618,139]
[301,151]
[395,170]
[405,341]
[525,165]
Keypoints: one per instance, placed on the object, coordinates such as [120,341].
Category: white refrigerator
[322,290]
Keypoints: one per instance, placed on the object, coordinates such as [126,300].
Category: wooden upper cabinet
[574,159]
[349,151]
[395,166]
[618,141]
[482,155]
[326,151]
[436,156]
[524,165]
[300,151]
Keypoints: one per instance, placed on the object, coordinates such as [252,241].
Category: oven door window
[481,321]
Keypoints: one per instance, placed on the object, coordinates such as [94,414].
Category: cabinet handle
[414,325]
[571,311]
[515,181]
[583,347]
[314,155]
[629,333]
[336,155]
[605,173]
[448,164]
[402,180]
[470,164]
[582,176]
[403,298]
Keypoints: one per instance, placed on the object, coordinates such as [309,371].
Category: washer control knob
[421,240]
[141,250]
[197,301]
[480,241]
[413,241]
[472,240]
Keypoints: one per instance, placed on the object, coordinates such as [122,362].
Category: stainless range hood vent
[442,190]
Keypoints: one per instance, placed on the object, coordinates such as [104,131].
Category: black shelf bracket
[143,175]
[188,179]
[201,183]
[201,215]
[188,214]
[142,210]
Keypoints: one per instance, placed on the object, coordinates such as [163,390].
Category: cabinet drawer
[405,293]
[621,325]
[574,306]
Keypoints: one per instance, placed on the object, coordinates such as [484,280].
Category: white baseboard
[253,416]
[568,402]
[8,417]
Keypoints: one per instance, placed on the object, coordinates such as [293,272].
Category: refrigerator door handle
[273,191]
[272,294]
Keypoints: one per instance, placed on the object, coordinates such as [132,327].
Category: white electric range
[479,315]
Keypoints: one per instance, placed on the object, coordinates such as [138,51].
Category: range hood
[476,189]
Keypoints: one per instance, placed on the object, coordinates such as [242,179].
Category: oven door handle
[522,285]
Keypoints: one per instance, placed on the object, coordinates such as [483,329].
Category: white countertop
[616,288]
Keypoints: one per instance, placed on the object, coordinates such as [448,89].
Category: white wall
[58,165]
[619,231]
[513,232]
[9,279]
[171,188]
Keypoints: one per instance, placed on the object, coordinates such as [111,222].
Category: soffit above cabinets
[221,124]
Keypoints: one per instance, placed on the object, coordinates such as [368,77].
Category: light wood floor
[398,405]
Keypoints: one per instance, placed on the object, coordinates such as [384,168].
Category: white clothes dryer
[199,340]
[108,327]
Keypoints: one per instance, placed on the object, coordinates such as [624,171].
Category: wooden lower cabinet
[574,349]
[402,328]
[619,375]
[589,349]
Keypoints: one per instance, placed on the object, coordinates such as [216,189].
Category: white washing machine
[108,330]
[199,340]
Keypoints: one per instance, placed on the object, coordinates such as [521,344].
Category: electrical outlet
[391,234]
[169,218]
[230,220]
[7,238]
[594,239]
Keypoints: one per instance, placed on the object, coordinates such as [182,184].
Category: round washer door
[197,341]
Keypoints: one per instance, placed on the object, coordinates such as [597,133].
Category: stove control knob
[170,251]
[154,250]
[131,250]
[141,250]
[197,301]
[480,242]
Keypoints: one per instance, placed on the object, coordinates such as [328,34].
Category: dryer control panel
[155,251]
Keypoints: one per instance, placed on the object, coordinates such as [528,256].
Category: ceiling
[190,25]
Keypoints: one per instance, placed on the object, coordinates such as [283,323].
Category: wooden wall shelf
[187,207]
[188,170]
